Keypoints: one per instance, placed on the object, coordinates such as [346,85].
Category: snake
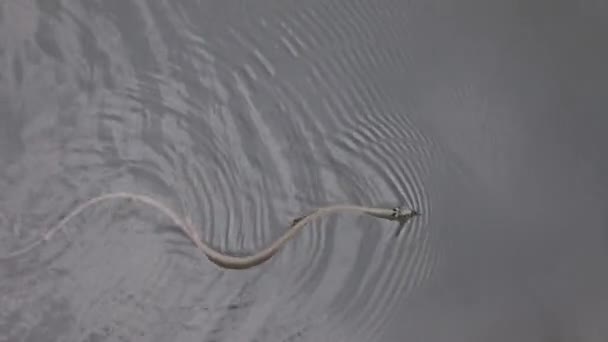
[217,257]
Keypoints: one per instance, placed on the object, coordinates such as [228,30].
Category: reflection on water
[485,119]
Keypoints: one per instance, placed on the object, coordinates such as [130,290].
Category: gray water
[488,117]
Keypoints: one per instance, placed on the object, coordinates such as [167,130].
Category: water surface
[488,117]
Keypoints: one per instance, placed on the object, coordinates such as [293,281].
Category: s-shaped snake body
[221,259]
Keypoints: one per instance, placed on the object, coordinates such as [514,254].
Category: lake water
[488,117]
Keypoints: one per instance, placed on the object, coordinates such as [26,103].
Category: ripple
[396,163]
[241,125]
[139,136]
[370,152]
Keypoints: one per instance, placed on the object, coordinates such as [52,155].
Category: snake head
[403,214]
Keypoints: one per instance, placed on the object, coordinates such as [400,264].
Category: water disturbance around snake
[243,123]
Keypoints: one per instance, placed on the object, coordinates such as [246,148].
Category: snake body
[221,259]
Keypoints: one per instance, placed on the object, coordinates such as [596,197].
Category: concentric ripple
[240,123]
[366,151]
